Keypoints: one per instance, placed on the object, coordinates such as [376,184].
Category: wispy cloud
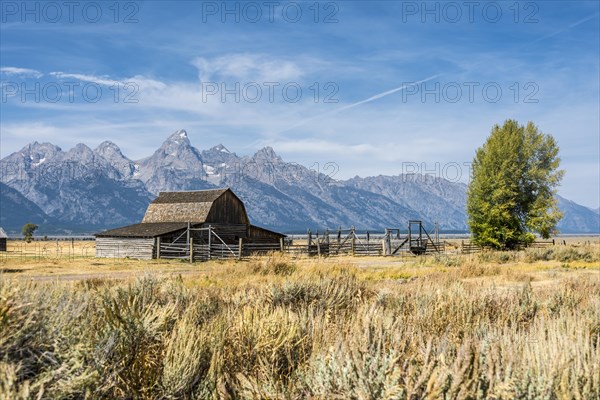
[21,71]
[101,80]
[248,68]
[142,82]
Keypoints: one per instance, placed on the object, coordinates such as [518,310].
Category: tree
[28,230]
[511,193]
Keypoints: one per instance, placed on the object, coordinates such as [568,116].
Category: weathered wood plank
[140,248]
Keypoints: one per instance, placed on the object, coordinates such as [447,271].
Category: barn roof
[259,228]
[186,206]
[3,234]
[145,230]
[192,196]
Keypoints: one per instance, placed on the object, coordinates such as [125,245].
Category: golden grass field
[495,325]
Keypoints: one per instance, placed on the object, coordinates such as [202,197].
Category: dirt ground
[74,261]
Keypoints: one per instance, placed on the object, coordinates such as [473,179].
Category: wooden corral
[190,225]
[394,242]
[3,239]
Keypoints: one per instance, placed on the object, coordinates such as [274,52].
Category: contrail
[398,89]
[573,25]
[358,103]
[380,95]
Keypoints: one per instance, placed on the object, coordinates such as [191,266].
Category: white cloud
[147,83]
[30,131]
[142,82]
[21,71]
[319,146]
[101,80]
[248,68]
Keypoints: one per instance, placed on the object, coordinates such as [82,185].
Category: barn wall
[230,233]
[2,244]
[259,235]
[228,209]
[114,247]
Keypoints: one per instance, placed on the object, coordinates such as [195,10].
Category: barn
[3,239]
[198,224]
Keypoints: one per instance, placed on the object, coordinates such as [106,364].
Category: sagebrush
[298,333]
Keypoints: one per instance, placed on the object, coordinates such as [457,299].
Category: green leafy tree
[511,193]
[28,230]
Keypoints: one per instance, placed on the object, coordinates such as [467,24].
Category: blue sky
[386,87]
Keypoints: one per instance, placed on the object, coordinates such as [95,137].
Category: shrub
[563,254]
[539,254]
[500,257]
[261,347]
[334,294]
[319,335]
[186,358]
[275,265]
[568,253]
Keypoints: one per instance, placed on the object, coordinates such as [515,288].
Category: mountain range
[83,190]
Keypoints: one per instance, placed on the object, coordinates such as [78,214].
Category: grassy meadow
[495,325]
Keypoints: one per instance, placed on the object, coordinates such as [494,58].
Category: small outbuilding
[3,239]
[201,222]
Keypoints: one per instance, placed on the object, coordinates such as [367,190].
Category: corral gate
[198,244]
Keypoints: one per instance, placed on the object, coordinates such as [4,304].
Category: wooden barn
[3,239]
[198,224]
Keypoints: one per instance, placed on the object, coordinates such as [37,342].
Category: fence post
[384,242]
[353,241]
[281,245]
[240,248]
[209,241]
[158,247]
[191,250]
[309,241]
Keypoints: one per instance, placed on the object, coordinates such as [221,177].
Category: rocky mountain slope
[16,210]
[577,218]
[78,188]
[437,198]
[95,189]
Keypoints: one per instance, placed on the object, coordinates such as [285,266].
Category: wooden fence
[471,248]
[48,250]
[197,252]
[339,243]
[349,242]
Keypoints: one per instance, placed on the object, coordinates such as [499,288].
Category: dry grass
[451,327]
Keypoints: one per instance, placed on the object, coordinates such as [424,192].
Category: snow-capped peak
[267,153]
[179,137]
[106,147]
[221,148]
